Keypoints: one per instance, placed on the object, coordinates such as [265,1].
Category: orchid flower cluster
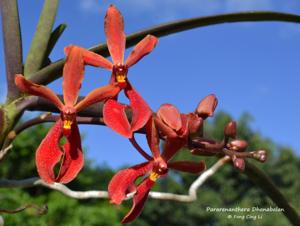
[176,129]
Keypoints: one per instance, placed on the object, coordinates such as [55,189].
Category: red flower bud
[260,155]
[194,123]
[207,106]
[237,145]
[230,130]
[239,164]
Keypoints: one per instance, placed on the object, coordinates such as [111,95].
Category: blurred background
[251,67]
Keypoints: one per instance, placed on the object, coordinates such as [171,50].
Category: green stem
[39,45]
[263,181]
[12,45]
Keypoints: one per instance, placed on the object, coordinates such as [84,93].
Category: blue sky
[251,67]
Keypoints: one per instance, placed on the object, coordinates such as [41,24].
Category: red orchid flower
[157,166]
[113,111]
[50,153]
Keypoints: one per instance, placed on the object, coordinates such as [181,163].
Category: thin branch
[4,152]
[263,181]
[48,117]
[12,44]
[40,104]
[255,174]
[53,71]
[39,210]
[192,195]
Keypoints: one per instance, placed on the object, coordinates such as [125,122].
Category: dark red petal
[114,30]
[123,181]
[195,123]
[152,137]
[188,166]
[139,200]
[184,131]
[73,157]
[143,48]
[141,112]
[97,95]
[171,147]
[164,129]
[170,115]
[73,73]
[49,153]
[92,58]
[207,106]
[114,117]
[29,87]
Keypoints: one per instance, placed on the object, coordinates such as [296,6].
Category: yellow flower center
[68,121]
[67,124]
[121,78]
[154,176]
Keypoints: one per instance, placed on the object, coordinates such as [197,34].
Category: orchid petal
[139,200]
[73,73]
[97,95]
[92,58]
[31,88]
[114,117]
[171,147]
[207,106]
[124,180]
[184,130]
[49,153]
[188,166]
[143,48]
[73,157]
[114,30]
[141,112]
[170,115]
[152,137]
[164,129]
[195,123]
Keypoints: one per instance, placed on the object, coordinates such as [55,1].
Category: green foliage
[226,189]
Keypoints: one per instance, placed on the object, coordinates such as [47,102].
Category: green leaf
[55,35]
[39,45]
[12,44]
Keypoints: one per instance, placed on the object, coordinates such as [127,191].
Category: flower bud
[230,130]
[195,123]
[207,106]
[239,164]
[237,145]
[260,155]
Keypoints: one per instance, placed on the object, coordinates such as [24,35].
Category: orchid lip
[120,71]
[67,124]
[68,120]
[121,78]
[154,176]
